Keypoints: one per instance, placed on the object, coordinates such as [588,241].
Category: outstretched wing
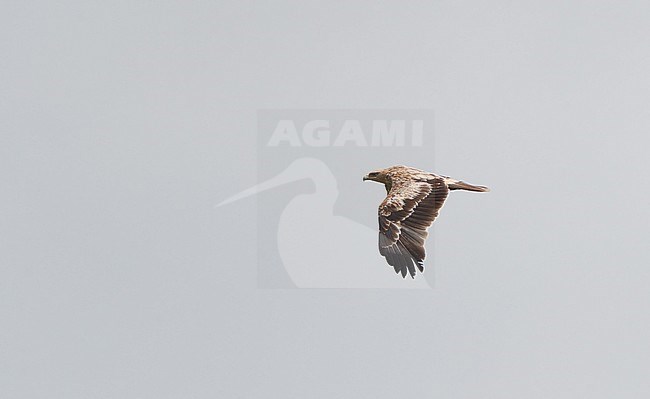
[404,217]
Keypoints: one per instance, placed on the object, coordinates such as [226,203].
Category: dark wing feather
[404,217]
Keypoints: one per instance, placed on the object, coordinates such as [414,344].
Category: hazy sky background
[123,123]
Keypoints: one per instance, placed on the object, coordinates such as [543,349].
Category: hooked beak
[371,178]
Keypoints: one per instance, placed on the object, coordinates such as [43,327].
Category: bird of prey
[414,198]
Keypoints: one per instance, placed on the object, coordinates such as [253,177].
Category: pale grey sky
[123,123]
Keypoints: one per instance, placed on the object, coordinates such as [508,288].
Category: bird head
[379,176]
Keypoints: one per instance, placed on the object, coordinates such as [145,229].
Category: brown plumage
[414,198]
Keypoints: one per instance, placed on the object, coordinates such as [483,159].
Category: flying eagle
[414,198]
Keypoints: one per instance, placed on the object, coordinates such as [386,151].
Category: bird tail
[461,185]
